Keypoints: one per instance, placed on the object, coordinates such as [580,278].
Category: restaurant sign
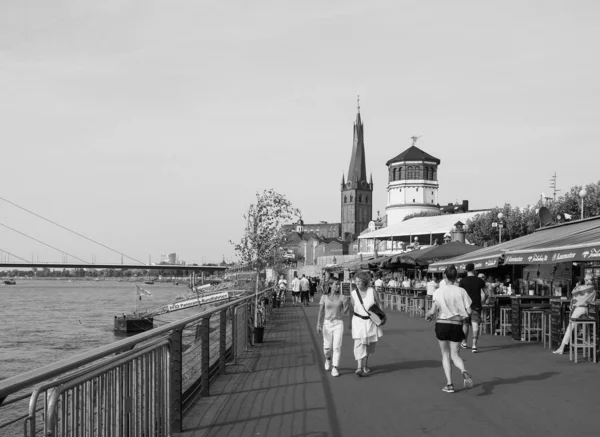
[481,264]
[554,256]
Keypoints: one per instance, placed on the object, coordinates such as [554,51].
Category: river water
[43,321]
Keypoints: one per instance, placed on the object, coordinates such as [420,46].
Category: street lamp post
[582,194]
[500,226]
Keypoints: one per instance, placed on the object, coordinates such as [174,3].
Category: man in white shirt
[406,282]
[431,287]
[304,289]
[296,289]
[378,284]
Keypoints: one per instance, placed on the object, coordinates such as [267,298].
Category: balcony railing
[138,386]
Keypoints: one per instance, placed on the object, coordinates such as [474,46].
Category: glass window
[417,172]
[409,173]
[345,199]
[394,175]
[402,173]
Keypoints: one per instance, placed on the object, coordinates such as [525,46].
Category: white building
[412,185]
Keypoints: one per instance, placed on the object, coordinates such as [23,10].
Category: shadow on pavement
[484,349]
[407,365]
[488,387]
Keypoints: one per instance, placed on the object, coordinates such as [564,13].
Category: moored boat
[133,323]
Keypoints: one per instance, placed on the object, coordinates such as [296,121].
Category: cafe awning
[582,234]
[420,226]
[575,243]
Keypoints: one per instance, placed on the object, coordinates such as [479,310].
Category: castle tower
[413,185]
[356,191]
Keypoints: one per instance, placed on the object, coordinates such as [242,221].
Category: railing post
[222,341]
[175,389]
[205,354]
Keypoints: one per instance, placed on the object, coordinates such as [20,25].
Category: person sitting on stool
[582,295]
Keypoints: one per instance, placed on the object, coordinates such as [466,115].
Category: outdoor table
[519,303]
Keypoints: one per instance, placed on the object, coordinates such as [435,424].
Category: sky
[150,125]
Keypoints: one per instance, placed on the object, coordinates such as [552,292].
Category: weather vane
[414,139]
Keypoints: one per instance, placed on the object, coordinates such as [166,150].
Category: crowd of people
[456,306]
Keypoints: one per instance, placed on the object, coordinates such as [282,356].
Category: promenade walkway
[520,388]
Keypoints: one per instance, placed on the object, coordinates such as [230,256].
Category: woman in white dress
[364,331]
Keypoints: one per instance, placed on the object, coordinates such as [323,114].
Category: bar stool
[532,324]
[394,301]
[487,322]
[505,320]
[428,303]
[547,329]
[586,342]
[403,302]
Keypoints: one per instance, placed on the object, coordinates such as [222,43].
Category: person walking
[364,331]
[451,305]
[295,289]
[331,325]
[475,287]
[304,289]
[313,288]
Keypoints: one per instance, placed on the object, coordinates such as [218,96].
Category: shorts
[475,317]
[295,293]
[449,332]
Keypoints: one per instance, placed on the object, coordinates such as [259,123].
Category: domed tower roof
[413,153]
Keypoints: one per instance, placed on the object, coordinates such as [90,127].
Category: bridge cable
[12,254]
[41,242]
[70,230]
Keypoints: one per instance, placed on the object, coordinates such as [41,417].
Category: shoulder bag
[376,314]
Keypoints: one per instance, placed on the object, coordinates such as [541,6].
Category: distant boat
[10,282]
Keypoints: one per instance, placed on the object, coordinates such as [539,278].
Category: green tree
[523,221]
[259,246]
[422,214]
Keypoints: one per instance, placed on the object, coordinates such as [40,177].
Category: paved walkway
[520,388]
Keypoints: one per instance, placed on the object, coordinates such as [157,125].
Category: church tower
[356,191]
[412,184]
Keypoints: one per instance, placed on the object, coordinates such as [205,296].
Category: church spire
[358,168]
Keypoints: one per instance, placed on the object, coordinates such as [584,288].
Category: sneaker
[463,345]
[448,388]
[467,381]
[327,364]
[558,352]
[359,372]
[366,370]
[474,349]
[334,372]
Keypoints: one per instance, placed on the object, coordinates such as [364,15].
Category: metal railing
[139,386]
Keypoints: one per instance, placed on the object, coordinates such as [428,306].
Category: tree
[422,214]
[523,221]
[260,245]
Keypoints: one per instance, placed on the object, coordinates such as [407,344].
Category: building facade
[356,191]
[412,184]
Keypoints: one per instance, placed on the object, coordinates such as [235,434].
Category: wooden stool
[547,329]
[403,303]
[394,301]
[532,324]
[586,342]
[487,322]
[505,320]
[428,303]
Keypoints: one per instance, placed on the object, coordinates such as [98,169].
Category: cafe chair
[532,324]
[505,320]
[547,329]
[585,341]
[487,319]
